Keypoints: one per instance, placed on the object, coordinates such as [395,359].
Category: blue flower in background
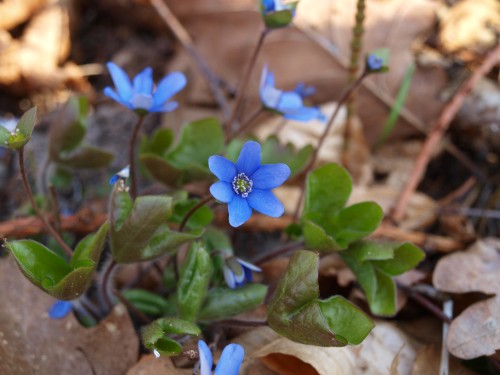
[304,90]
[124,174]
[374,62]
[141,95]
[229,362]
[237,272]
[60,309]
[278,5]
[288,103]
[247,184]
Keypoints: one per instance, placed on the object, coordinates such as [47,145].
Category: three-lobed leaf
[154,336]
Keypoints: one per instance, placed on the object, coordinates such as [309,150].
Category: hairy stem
[131,152]
[193,209]
[39,213]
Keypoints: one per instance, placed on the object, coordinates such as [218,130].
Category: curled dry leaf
[32,343]
[428,361]
[476,331]
[15,12]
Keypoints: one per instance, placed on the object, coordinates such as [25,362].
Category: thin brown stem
[247,124]
[55,208]
[246,78]
[131,151]
[242,323]
[323,137]
[193,209]
[281,251]
[106,280]
[39,213]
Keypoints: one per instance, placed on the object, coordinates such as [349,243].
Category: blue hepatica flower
[374,63]
[288,103]
[229,363]
[141,95]
[247,184]
[237,272]
[124,174]
[60,309]
[270,6]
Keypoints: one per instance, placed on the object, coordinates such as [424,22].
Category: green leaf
[296,313]
[162,170]
[406,257]
[371,250]
[327,189]
[154,335]
[273,152]
[317,239]
[356,222]
[202,217]
[22,134]
[68,132]
[381,53]
[193,282]
[165,241]
[217,240]
[199,140]
[130,237]
[224,302]
[85,157]
[158,144]
[379,288]
[51,273]
[346,320]
[278,19]
[146,301]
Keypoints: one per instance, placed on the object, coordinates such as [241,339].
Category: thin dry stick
[246,78]
[187,42]
[438,132]
[39,213]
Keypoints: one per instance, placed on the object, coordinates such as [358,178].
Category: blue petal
[268,5]
[230,360]
[304,90]
[206,360]
[265,202]
[113,179]
[224,169]
[247,265]
[60,309]
[249,159]
[108,91]
[143,82]
[304,114]
[229,277]
[121,81]
[239,211]
[289,101]
[167,107]
[168,87]
[222,191]
[270,176]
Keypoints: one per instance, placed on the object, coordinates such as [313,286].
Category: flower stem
[246,78]
[323,137]
[105,283]
[131,152]
[276,253]
[39,213]
[193,209]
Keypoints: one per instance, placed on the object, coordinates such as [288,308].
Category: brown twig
[281,251]
[187,42]
[438,131]
[39,213]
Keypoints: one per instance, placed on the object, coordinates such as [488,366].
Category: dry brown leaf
[32,343]
[476,331]
[471,25]
[150,365]
[428,360]
[474,270]
[15,12]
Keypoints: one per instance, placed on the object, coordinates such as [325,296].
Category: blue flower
[60,309]
[237,271]
[229,362]
[141,95]
[304,90]
[124,174]
[288,103]
[269,6]
[374,63]
[247,184]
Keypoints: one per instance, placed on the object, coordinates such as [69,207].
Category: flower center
[142,101]
[242,185]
